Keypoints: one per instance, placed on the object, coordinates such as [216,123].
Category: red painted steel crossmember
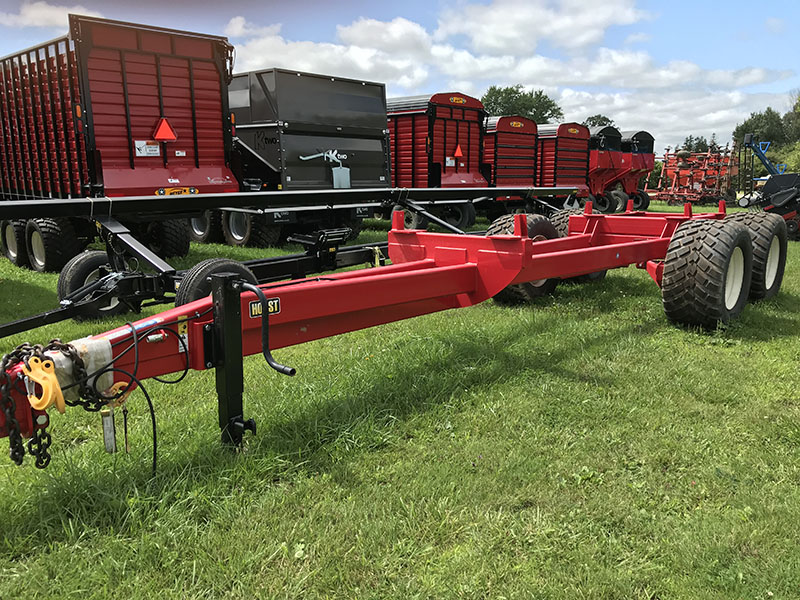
[431,272]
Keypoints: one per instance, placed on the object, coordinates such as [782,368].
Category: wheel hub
[10,240]
[773,260]
[37,247]
[734,279]
[538,282]
[199,225]
[238,225]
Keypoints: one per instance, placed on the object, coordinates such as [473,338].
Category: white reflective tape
[96,354]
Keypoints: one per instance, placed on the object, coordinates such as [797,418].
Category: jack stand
[228,357]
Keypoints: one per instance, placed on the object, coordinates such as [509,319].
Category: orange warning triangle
[164,131]
[458,153]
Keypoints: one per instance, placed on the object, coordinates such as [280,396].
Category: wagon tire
[168,238]
[769,237]
[641,200]
[50,243]
[195,283]
[412,220]
[560,220]
[459,215]
[793,228]
[605,203]
[707,272]
[12,241]
[83,269]
[206,228]
[622,200]
[246,229]
[539,228]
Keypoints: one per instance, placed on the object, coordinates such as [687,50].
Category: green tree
[696,144]
[655,174]
[791,120]
[768,126]
[598,120]
[513,100]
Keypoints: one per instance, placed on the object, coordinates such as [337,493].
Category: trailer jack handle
[283,369]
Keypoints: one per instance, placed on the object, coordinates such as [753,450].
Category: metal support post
[228,357]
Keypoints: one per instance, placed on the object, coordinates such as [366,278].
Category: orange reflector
[78,110]
[164,131]
[458,153]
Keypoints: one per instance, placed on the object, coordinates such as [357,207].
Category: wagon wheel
[605,203]
[539,228]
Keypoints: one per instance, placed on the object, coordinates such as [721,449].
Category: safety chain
[17,449]
[38,446]
[90,399]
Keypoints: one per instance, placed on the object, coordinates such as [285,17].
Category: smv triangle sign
[164,131]
[458,153]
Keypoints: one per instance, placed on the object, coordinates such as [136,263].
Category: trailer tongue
[430,272]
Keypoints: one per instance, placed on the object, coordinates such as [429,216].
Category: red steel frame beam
[431,272]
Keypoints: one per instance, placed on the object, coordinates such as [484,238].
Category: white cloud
[42,14]
[635,70]
[398,36]
[238,27]
[637,38]
[775,25]
[668,99]
[517,26]
[265,47]
[669,115]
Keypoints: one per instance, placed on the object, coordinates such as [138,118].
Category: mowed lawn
[578,447]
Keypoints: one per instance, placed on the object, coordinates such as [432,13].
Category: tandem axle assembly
[708,266]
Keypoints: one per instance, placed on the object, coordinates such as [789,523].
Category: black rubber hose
[290,371]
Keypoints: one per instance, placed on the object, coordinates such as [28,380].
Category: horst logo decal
[175,191]
[515,124]
[273,307]
[572,130]
[457,100]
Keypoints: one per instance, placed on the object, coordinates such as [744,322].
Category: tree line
[535,105]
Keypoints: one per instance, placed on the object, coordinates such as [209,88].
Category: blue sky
[673,68]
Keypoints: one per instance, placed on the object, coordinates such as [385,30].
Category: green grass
[580,447]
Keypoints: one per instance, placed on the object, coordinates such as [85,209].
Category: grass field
[579,447]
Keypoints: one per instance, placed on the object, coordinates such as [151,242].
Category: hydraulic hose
[290,371]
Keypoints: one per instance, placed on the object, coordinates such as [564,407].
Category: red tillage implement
[697,177]
[431,272]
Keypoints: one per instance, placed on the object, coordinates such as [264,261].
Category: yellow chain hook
[43,372]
